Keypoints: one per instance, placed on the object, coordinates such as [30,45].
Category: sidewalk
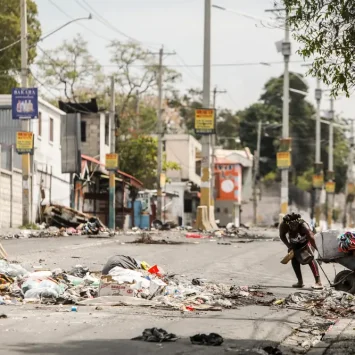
[339,340]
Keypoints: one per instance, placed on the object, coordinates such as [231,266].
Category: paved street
[34,329]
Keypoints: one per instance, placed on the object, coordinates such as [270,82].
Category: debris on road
[62,221]
[212,339]
[133,282]
[155,335]
[327,303]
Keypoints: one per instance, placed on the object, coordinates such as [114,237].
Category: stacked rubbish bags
[346,242]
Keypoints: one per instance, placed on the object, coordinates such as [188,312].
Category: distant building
[47,183]
[233,184]
[185,150]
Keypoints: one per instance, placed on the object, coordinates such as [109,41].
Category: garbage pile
[122,276]
[327,303]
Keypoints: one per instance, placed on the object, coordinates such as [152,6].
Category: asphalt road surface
[55,330]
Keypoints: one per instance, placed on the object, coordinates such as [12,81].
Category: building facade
[47,183]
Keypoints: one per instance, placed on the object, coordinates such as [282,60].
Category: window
[39,124]
[83,131]
[107,129]
[51,129]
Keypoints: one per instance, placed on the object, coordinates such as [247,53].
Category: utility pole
[160,135]
[161,53]
[349,189]
[137,111]
[285,146]
[256,174]
[204,220]
[213,143]
[112,181]
[318,167]
[286,51]
[330,195]
[25,124]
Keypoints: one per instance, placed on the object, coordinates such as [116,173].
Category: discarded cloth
[346,242]
[155,335]
[212,339]
[126,262]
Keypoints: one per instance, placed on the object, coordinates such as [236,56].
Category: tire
[347,285]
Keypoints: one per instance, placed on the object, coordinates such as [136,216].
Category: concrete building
[48,184]
[186,151]
[233,184]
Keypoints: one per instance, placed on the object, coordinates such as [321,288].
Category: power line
[105,22]
[83,26]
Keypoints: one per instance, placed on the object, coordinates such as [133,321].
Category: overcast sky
[178,25]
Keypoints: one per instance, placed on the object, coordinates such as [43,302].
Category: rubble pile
[61,221]
[122,276]
[327,303]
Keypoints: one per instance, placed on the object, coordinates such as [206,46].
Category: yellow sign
[318,181]
[112,161]
[162,180]
[205,121]
[24,142]
[330,187]
[283,160]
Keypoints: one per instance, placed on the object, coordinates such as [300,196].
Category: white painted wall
[47,156]
[181,148]
[178,206]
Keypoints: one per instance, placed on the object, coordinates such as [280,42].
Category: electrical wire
[80,24]
[106,23]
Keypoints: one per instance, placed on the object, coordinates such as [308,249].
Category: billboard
[24,103]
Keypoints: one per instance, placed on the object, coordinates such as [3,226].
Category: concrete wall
[97,143]
[10,198]
[269,205]
[182,148]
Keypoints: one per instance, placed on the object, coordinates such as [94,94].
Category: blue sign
[24,103]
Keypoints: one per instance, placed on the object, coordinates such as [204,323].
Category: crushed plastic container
[12,270]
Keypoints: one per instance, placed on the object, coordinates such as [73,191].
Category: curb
[332,334]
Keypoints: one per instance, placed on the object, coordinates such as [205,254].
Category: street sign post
[24,103]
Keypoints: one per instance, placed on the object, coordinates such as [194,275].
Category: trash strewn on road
[212,339]
[327,303]
[128,280]
[155,335]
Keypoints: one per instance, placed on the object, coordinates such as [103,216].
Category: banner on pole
[24,103]
[24,142]
[112,161]
[205,121]
[283,160]
[318,181]
[330,187]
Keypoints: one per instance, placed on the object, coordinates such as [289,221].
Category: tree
[136,75]
[138,157]
[71,70]
[10,28]
[269,112]
[228,129]
[187,104]
[326,32]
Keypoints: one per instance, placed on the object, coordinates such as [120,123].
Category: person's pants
[297,266]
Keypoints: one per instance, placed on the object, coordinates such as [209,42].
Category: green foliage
[71,70]
[326,32]
[10,29]
[270,178]
[228,129]
[304,182]
[138,157]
